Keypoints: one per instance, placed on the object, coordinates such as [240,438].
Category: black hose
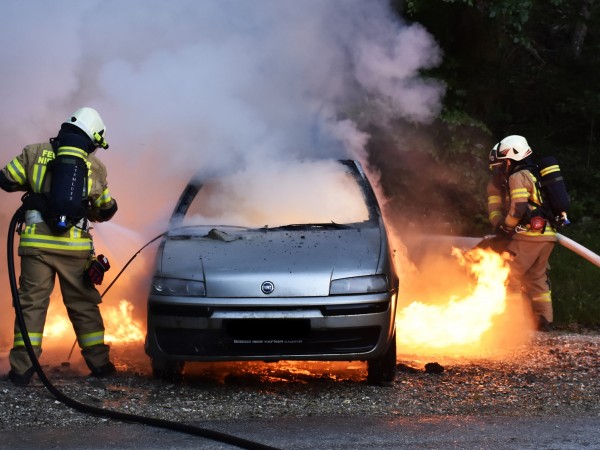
[117,277]
[129,262]
[82,407]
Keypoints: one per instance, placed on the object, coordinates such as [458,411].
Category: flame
[460,322]
[57,326]
[120,325]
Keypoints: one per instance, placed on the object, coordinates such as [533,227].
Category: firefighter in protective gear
[513,199]
[46,251]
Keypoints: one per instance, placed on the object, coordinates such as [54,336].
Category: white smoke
[208,82]
[186,85]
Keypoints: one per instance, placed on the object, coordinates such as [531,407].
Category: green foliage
[455,118]
[526,67]
[511,67]
[576,297]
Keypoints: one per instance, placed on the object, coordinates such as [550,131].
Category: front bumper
[351,328]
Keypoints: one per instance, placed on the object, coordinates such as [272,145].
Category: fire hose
[82,407]
[568,243]
[578,249]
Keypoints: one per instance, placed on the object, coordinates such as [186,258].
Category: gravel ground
[557,374]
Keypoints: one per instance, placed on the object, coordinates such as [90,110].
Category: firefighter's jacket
[514,202]
[26,172]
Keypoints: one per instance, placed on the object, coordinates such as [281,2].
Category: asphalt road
[432,432]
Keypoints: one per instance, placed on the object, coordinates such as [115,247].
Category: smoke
[249,199]
[185,86]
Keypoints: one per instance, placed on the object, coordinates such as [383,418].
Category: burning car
[283,263]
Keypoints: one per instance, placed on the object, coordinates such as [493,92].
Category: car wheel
[167,370]
[382,371]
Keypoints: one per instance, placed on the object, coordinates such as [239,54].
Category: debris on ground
[434,367]
[558,373]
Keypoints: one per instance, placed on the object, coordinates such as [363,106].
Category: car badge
[267,287]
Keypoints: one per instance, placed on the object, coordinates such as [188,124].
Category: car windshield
[319,193]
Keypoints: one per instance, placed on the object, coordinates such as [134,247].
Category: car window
[272,195]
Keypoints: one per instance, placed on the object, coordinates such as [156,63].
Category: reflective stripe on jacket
[513,206]
[495,203]
[39,235]
[524,195]
[27,171]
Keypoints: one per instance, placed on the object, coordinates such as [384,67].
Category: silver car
[287,262]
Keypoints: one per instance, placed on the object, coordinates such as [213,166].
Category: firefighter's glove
[504,231]
[495,243]
[98,265]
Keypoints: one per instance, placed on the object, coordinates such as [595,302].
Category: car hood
[236,262]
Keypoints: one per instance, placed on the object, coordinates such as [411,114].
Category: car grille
[165,309]
[266,337]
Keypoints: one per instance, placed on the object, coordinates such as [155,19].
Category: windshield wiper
[185,227]
[306,226]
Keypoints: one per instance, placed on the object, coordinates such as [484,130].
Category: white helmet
[89,121]
[511,147]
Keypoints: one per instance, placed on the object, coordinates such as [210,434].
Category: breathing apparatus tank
[554,190]
[79,135]
[68,188]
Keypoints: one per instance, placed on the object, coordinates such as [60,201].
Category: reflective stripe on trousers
[34,338]
[91,339]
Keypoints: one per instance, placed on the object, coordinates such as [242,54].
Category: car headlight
[359,285]
[177,286]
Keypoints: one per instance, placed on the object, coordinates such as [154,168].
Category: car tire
[382,371]
[167,370]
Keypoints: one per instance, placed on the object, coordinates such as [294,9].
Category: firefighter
[514,207]
[52,244]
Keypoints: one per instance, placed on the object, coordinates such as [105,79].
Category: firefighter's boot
[21,379]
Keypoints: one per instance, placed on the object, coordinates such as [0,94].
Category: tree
[525,67]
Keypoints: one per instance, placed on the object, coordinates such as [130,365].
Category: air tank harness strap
[33,216]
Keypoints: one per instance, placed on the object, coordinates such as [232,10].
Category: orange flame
[459,322]
[120,325]
[57,326]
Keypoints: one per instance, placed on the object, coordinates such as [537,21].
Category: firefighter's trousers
[528,276]
[36,283]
